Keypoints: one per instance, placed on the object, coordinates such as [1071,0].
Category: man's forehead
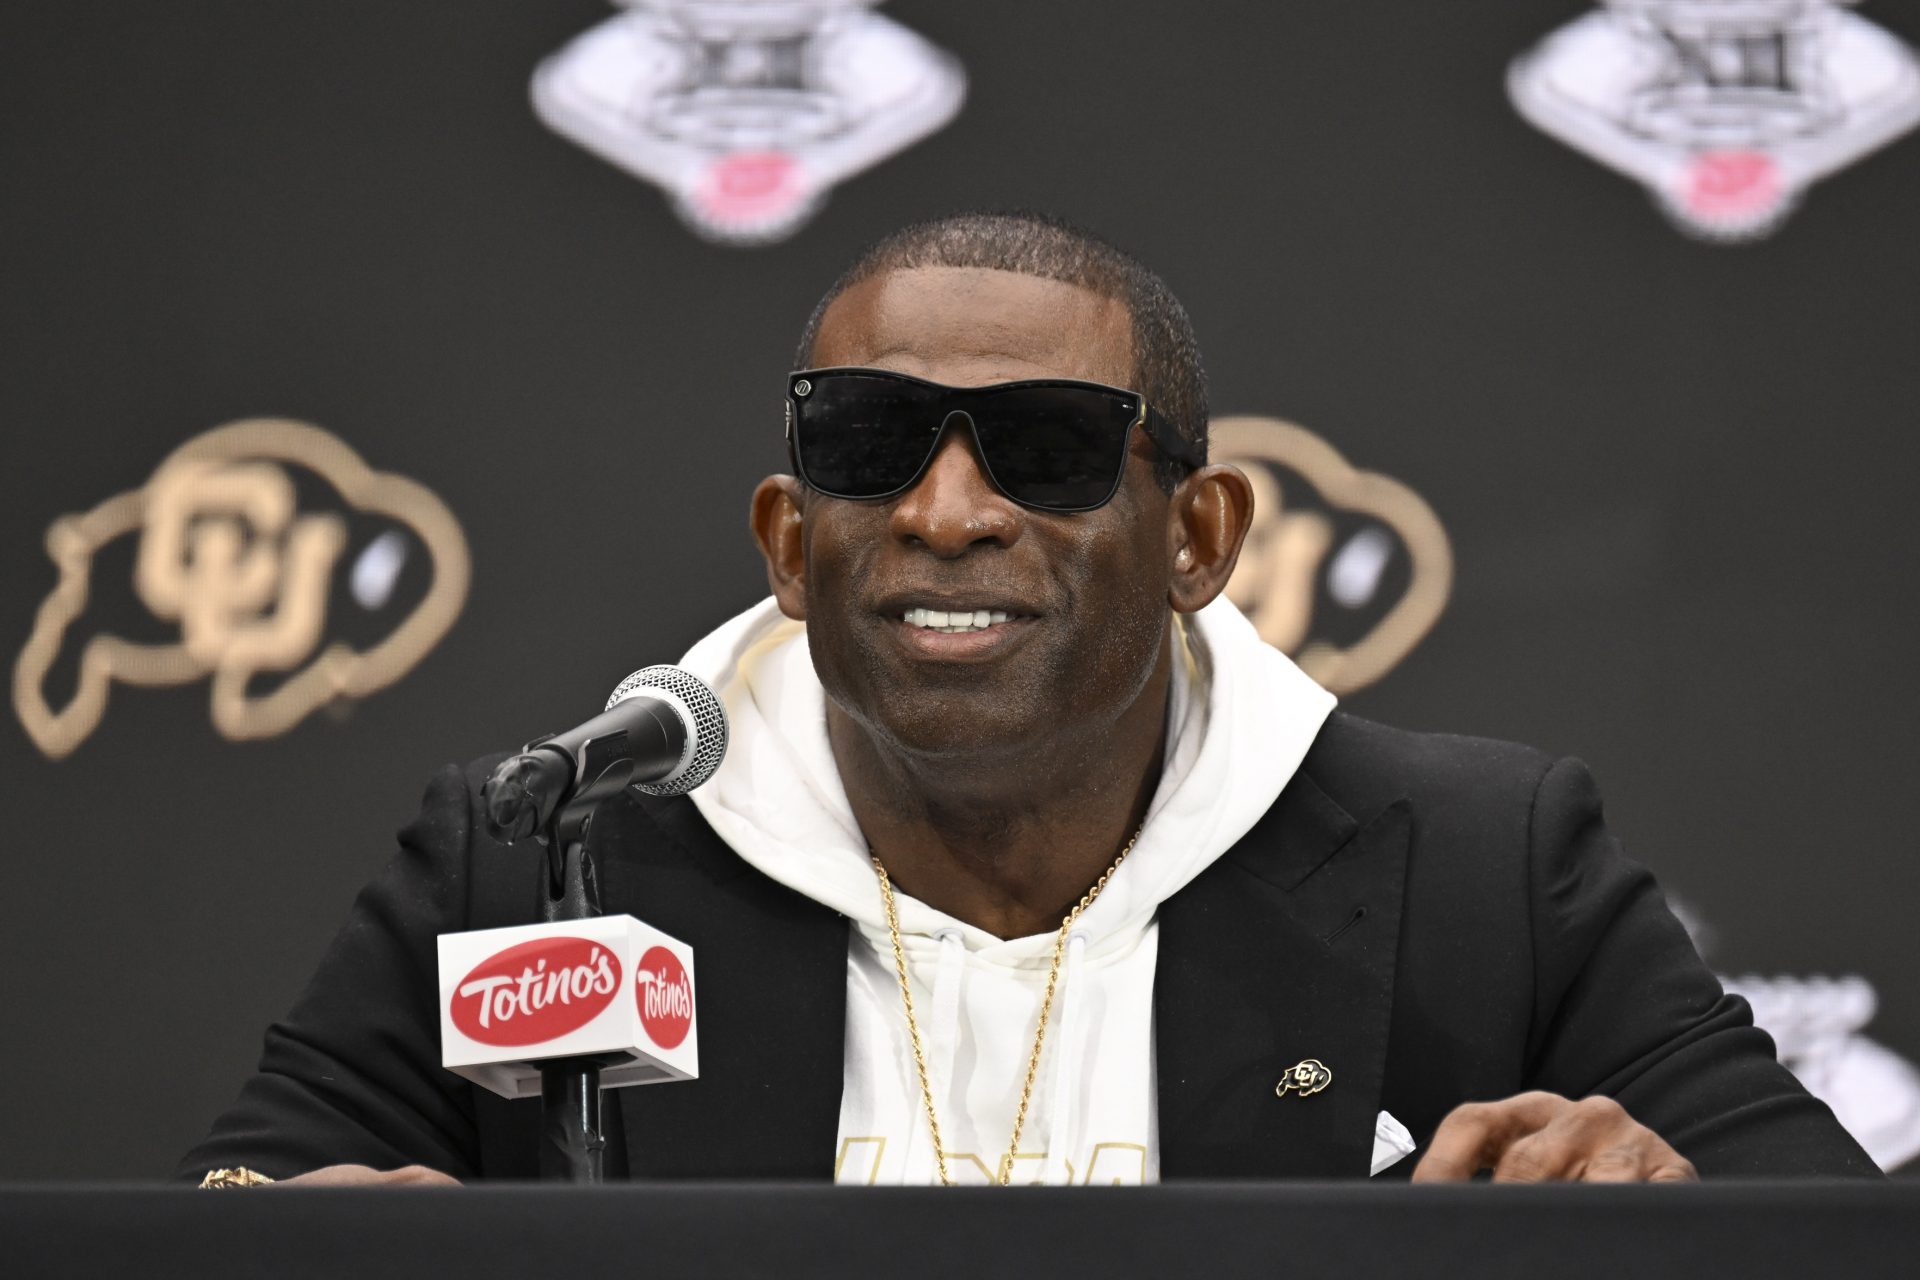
[969,325]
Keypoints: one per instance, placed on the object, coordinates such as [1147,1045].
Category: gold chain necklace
[1046,1007]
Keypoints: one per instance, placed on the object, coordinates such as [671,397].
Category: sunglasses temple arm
[1169,441]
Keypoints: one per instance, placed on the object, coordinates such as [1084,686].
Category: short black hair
[1166,356]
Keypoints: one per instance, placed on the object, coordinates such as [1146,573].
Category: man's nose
[954,506]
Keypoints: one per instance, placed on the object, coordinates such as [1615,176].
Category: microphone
[664,732]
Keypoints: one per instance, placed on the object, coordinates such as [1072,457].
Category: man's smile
[957,629]
[954,620]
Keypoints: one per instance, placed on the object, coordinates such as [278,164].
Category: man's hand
[1543,1137]
[359,1175]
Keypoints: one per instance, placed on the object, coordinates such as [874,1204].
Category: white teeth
[954,621]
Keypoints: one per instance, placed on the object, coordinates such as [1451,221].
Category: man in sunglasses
[1031,863]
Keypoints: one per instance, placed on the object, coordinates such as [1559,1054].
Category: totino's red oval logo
[665,995]
[536,991]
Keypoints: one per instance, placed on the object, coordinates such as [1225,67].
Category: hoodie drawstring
[943,1031]
[944,1028]
[1066,1062]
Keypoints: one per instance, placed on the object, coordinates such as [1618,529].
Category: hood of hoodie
[1240,720]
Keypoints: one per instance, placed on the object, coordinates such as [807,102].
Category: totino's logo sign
[537,991]
[266,558]
[1344,570]
[1726,109]
[513,997]
[665,996]
[747,111]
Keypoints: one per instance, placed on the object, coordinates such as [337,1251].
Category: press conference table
[1326,1232]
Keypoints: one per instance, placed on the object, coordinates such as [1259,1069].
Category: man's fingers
[1615,1164]
[334,1175]
[418,1175]
[1473,1136]
[360,1175]
[1453,1154]
[1542,1137]
[1541,1157]
[1676,1169]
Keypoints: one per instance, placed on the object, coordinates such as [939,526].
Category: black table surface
[1328,1232]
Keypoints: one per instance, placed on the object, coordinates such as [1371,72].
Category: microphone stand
[572,1141]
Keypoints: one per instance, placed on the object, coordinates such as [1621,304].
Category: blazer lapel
[1282,951]
[770,978]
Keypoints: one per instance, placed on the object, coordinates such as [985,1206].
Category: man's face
[1085,595]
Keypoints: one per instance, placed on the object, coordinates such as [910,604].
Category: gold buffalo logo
[241,579]
[1304,1079]
[1344,570]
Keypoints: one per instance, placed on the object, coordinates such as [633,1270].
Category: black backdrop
[1677,476]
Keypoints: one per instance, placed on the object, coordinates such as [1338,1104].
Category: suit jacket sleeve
[352,1074]
[1624,1007]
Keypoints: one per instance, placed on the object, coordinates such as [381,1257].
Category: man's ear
[778,521]
[1207,521]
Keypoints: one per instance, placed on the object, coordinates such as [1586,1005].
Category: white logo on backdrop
[1726,109]
[747,111]
[1818,1025]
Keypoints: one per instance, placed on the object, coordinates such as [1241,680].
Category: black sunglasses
[1050,443]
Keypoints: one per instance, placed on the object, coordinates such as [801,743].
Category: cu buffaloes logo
[1344,570]
[235,549]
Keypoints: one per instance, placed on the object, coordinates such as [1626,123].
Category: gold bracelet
[239,1176]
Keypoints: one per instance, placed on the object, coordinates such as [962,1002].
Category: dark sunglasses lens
[859,437]
[1058,448]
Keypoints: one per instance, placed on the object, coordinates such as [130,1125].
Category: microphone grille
[709,724]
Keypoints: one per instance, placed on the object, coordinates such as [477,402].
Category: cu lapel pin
[1304,1078]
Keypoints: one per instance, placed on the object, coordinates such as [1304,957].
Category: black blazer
[1437,919]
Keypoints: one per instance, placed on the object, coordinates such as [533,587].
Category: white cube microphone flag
[611,987]
[559,1010]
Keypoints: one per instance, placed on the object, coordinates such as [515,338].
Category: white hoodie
[1241,718]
